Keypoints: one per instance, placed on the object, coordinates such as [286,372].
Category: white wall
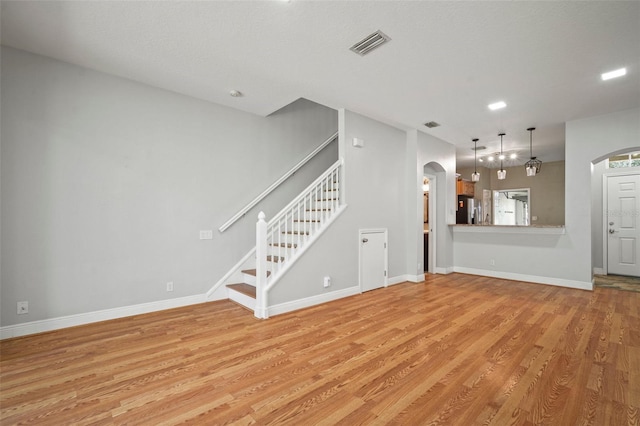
[107,182]
[556,259]
[374,178]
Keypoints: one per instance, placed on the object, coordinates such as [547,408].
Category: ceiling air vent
[431,124]
[480,148]
[369,43]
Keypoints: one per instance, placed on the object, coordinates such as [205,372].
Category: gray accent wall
[106,184]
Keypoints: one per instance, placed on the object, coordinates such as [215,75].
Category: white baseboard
[445,271]
[404,278]
[598,271]
[582,285]
[294,305]
[104,315]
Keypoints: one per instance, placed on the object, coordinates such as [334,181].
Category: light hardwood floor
[457,349]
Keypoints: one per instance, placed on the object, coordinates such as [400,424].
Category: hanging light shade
[502,173]
[475,176]
[533,165]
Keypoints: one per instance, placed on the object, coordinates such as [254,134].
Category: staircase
[281,241]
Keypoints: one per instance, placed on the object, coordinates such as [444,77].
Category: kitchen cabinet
[465,187]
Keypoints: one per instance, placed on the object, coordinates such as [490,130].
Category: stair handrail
[277,183]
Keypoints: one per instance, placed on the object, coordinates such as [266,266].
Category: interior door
[623,232]
[373,259]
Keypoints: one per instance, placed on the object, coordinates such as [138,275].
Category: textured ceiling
[446,60]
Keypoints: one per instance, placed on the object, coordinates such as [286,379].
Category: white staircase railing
[291,231]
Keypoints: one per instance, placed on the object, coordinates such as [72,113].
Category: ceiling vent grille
[369,43]
[480,148]
[431,124]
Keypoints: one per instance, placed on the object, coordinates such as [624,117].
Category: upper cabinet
[465,187]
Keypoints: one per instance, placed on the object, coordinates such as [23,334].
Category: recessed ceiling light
[613,74]
[480,160]
[491,158]
[235,93]
[501,156]
[497,105]
[513,156]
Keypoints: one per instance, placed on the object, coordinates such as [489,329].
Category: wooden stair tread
[246,289]
[253,272]
[285,245]
[318,210]
[295,233]
[307,220]
[275,259]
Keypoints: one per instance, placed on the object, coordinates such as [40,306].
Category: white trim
[96,316]
[433,229]
[277,183]
[294,305]
[406,278]
[402,279]
[599,271]
[445,271]
[582,285]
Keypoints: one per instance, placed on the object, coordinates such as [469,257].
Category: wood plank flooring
[457,349]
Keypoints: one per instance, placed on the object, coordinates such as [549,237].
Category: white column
[261,267]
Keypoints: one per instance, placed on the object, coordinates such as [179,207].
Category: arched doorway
[432,217]
[606,231]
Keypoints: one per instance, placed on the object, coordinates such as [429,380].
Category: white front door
[623,227]
[373,259]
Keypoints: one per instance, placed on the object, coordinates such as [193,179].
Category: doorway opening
[432,179]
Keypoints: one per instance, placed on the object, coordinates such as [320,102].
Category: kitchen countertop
[510,229]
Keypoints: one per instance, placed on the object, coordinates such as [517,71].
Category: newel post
[261,267]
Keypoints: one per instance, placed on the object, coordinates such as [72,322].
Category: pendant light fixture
[475,176]
[502,173]
[533,165]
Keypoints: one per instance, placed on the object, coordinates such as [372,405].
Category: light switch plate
[206,234]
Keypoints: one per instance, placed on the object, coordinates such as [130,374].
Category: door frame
[361,233]
[433,217]
[605,208]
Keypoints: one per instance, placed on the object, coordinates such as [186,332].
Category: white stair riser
[249,279]
[242,299]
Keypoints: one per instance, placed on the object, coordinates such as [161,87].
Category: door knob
[364,240]
[611,231]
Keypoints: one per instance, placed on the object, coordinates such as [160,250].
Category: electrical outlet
[23,308]
[206,234]
[327,282]
[492,262]
[170,286]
